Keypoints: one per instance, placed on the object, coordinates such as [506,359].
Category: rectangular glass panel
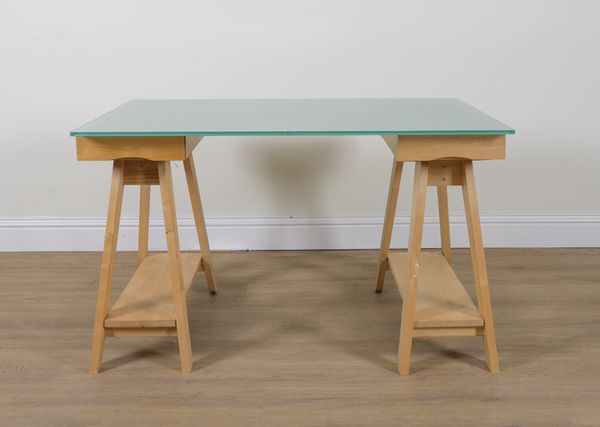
[399,116]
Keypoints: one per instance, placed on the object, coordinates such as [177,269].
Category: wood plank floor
[300,338]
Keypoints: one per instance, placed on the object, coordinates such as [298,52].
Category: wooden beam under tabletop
[417,148]
[157,148]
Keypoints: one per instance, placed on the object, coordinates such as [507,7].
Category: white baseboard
[86,234]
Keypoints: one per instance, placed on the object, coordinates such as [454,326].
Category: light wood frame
[434,302]
[440,161]
[146,307]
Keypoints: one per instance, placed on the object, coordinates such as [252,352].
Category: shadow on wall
[295,171]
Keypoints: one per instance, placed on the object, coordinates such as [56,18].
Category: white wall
[532,64]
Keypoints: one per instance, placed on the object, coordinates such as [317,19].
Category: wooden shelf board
[146,301]
[442,301]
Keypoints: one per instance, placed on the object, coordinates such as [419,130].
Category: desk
[442,136]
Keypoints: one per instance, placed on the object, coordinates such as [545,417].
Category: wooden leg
[192,182]
[183,331]
[388,223]
[417,219]
[479,267]
[108,259]
[144,222]
[442,196]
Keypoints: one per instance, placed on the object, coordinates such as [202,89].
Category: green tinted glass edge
[308,133]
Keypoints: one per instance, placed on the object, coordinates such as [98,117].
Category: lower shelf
[146,301]
[442,301]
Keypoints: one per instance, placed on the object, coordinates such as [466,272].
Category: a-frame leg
[144,222]
[442,196]
[107,266]
[388,223]
[479,267]
[417,219]
[181,319]
[192,182]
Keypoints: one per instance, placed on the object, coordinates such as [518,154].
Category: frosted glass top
[383,116]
